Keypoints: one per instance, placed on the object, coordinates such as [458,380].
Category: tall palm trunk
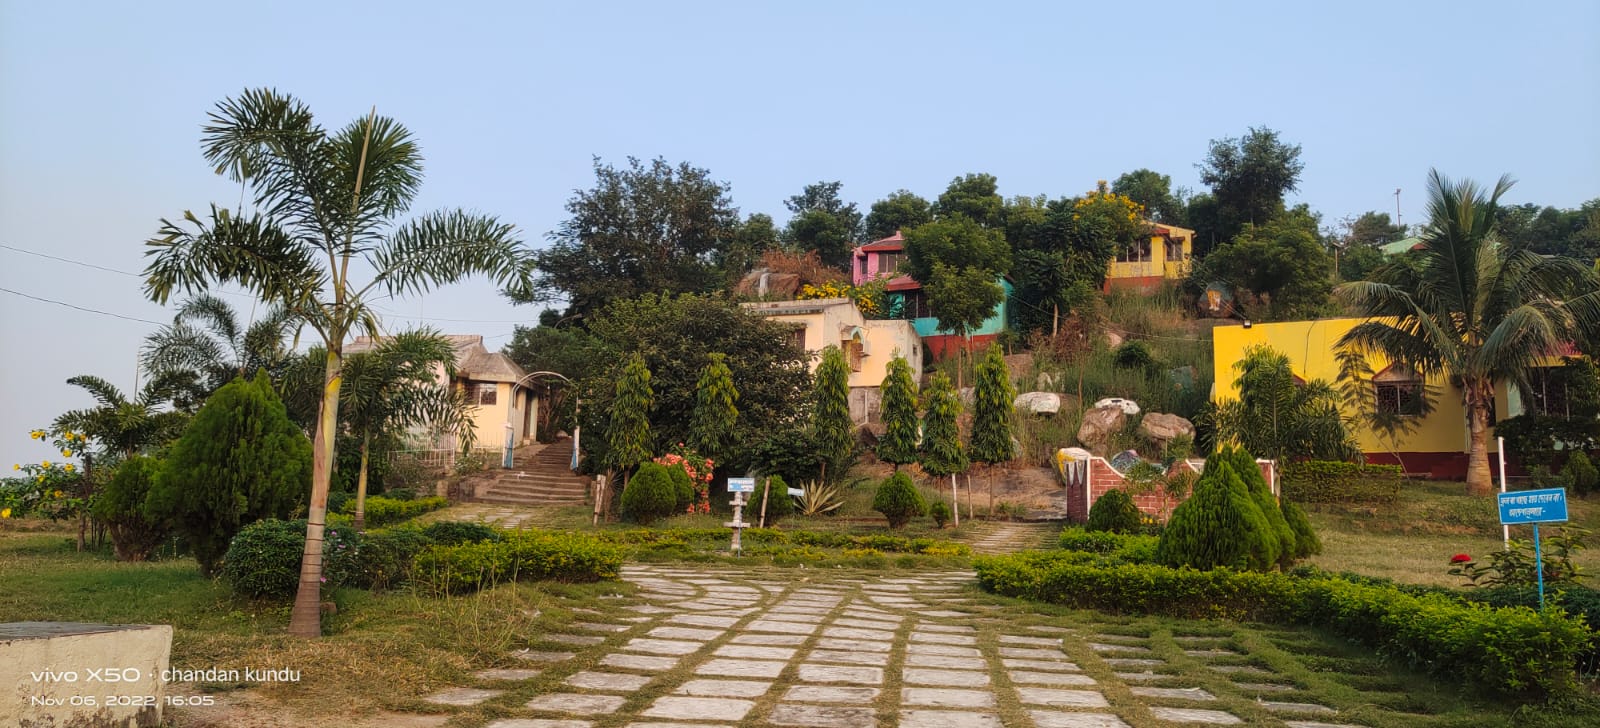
[361,484]
[305,620]
[1479,479]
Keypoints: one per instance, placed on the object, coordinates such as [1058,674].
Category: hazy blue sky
[101,104]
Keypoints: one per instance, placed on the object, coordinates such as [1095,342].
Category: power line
[81,308]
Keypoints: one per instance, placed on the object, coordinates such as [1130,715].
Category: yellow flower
[45,463]
[16,466]
[71,467]
[39,479]
[66,453]
[35,434]
[5,512]
[58,494]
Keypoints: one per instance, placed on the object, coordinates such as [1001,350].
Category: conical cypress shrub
[1306,542]
[1220,525]
[1245,464]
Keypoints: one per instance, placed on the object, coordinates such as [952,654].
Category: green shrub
[1115,512]
[682,488]
[1094,542]
[1245,465]
[337,500]
[405,494]
[1306,542]
[779,502]
[940,513]
[263,560]
[649,494]
[898,500]
[522,556]
[1580,474]
[120,505]
[1322,481]
[383,510]
[452,533]
[386,557]
[1220,525]
[1145,588]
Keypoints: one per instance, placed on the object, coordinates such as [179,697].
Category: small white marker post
[1500,442]
[739,486]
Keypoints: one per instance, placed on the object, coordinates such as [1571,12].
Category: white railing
[445,460]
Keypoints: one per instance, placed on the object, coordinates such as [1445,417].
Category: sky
[101,105]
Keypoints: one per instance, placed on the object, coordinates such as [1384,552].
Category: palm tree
[1471,308]
[322,200]
[1278,416]
[394,387]
[206,340]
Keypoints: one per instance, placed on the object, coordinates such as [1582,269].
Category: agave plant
[817,498]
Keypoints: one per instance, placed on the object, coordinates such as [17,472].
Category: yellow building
[1145,266]
[1437,446]
[868,345]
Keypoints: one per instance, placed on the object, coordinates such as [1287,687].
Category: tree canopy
[824,223]
[1153,191]
[973,196]
[1283,262]
[957,242]
[899,442]
[1249,177]
[901,210]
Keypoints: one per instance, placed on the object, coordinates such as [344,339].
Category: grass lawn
[1413,540]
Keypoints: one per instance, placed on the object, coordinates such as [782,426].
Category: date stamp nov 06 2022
[97,687]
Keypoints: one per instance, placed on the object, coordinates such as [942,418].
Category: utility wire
[81,308]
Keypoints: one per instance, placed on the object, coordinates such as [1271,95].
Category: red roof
[890,244]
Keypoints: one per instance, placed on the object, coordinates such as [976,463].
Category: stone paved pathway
[1005,537]
[717,647]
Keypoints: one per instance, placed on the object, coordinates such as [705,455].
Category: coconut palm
[1471,308]
[323,199]
[206,340]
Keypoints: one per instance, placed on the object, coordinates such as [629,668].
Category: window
[1174,250]
[1547,392]
[914,305]
[486,393]
[1403,398]
[797,337]
[853,351]
[890,263]
[1138,252]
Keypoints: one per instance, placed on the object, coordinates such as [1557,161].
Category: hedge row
[383,511]
[1511,649]
[1129,548]
[521,556]
[1321,481]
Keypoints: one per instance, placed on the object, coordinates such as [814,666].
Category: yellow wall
[882,339]
[1310,346]
[490,420]
[1158,265]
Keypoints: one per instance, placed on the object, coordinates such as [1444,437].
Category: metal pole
[1501,446]
[1538,558]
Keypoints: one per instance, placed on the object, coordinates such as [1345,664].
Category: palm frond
[252,252]
[271,142]
[444,247]
[389,181]
[103,391]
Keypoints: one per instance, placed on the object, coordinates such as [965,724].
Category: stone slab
[1049,665]
[948,719]
[1010,639]
[754,652]
[541,656]
[949,651]
[857,633]
[944,638]
[957,678]
[947,698]
[687,708]
[1132,662]
[1250,670]
[867,623]
[506,674]
[614,682]
[1171,693]
[819,716]
[724,688]
[830,643]
[576,703]
[1195,715]
[702,620]
[957,663]
[1032,653]
[1063,698]
[841,674]
[639,662]
[1130,649]
[600,627]
[769,625]
[1054,719]
[788,640]
[462,696]
[879,659]
[1029,677]
[539,723]
[831,694]
[662,647]
[582,640]
[1145,676]
[684,633]
[729,667]
[1265,687]
[1297,707]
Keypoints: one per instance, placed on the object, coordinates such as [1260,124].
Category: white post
[954,501]
[1500,443]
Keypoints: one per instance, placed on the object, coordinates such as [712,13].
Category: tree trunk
[361,485]
[305,620]
[1479,479]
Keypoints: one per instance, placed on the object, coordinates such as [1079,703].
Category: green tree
[751,240]
[206,344]
[1249,178]
[121,427]
[1282,261]
[898,500]
[832,430]
[120,506]
[1116,512]
[649,495]
[653,228]
[1471,308]
[628,434]
[324,199]
[569,351]
[1373,228]
[940,452]
[824,223]
[1153,191]
[958,242]
[1276,416]
[1220,525]
[975,197]
[899,391]
[901,210]
[962,299]
[992,410]
[716,414]
[240,460]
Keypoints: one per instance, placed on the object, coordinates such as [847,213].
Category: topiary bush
[898,500]
[940,513]
[1115,512]
[1245,465]
[1220,525]
[779,502]
[522,556]
[649,494]
[1581,474]
[1306,542]
[452,533]
[682,488]
[263,560]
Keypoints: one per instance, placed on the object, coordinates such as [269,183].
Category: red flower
[1460,559]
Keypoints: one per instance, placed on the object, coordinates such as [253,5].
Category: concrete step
[525,501]
[532,492]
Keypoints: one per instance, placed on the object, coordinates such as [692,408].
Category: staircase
[537,477]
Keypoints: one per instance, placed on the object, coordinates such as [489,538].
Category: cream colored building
[494,385]
[868,344]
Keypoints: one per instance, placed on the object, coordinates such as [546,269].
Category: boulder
[1161,428]
[1113,340]
[1039,403]
[1128,406]
[1099,424]
[1048,381]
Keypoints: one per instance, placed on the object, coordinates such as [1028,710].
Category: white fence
[446,460]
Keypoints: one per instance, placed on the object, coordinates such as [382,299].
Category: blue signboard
[1534,506]
[741,485]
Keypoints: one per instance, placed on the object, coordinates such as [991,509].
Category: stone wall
[88,675]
